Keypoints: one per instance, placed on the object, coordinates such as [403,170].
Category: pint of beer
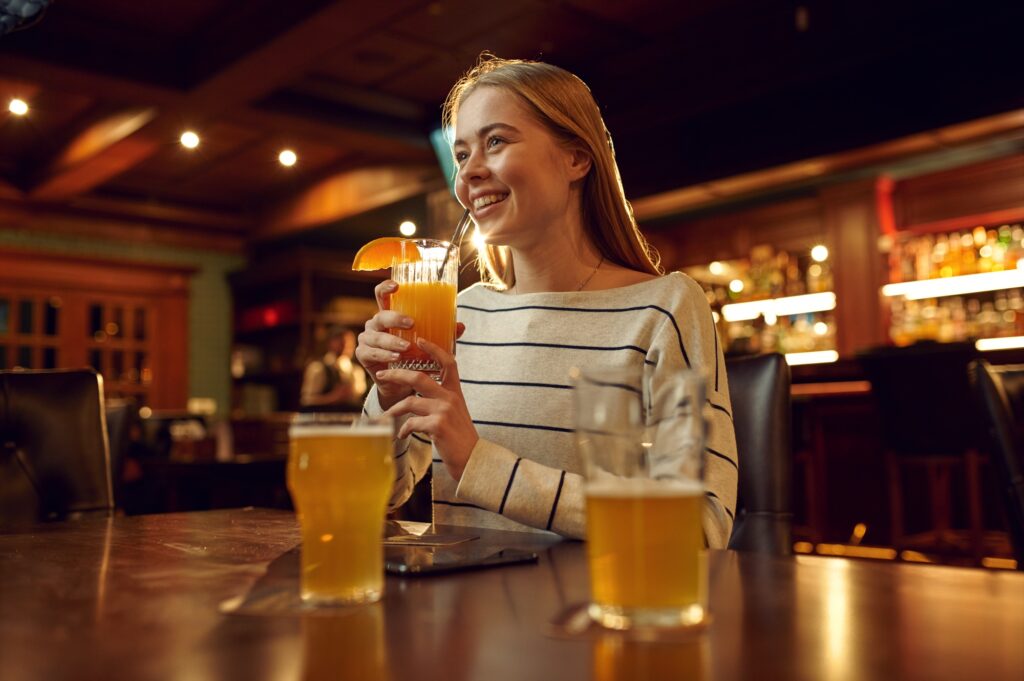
[340,473]
[643,450]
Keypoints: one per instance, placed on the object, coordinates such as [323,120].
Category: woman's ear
[579,163]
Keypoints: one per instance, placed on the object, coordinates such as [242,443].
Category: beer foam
[375,430]
[642,487]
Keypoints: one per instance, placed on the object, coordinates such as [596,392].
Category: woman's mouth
[482,203]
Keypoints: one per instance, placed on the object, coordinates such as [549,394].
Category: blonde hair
[565,106]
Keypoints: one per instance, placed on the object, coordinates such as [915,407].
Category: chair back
[762,417]
[1000,393]
[924,398]
[54,456]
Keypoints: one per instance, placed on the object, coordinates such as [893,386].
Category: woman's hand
[439,409]
[377,347]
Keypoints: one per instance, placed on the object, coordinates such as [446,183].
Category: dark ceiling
[691,91]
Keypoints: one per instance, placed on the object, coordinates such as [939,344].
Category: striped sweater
[514,361]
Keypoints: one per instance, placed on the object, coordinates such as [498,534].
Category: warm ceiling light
[736,286]
[407,228]
[189,139]
[716,268]
[819,253]
[18,107]
[288,158]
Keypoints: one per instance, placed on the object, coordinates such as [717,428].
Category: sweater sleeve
[689,339]
[412,456]
[501,481]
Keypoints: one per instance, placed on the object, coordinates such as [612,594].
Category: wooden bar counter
[141,597]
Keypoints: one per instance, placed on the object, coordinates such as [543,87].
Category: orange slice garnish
[381,253]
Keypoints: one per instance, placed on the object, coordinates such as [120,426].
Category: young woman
[568,281]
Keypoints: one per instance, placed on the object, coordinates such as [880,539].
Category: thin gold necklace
[582,284]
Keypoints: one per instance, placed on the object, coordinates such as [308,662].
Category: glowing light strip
[956,286]
[986,344]
[780,307]
[819,357]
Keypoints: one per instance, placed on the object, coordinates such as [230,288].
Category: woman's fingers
[382,292]
[415,380]
[449,369]
[383,340]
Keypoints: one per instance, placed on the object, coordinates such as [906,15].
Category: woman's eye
[460,156]
[494,141]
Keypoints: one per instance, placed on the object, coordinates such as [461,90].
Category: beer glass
[642,447]
[340,474]
[426,293]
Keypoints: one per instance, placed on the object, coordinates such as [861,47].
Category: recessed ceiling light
[189,139]
[407,228]
[18,107]
[819,253]
[287,158]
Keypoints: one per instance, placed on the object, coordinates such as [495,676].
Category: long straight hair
[563,104]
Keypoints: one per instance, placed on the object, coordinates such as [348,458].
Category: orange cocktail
[426,294]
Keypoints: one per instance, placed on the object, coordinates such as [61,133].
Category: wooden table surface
[138,598]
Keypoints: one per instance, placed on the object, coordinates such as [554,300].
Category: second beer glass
[642,447]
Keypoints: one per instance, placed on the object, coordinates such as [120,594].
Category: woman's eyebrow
[482,132]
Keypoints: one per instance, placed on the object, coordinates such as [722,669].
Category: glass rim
[326,420]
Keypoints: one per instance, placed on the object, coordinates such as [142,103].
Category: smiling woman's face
[513,174]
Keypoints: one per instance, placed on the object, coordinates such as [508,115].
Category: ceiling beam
[59,218]
[707,194]
[114,147]
[103,149]
[345,195]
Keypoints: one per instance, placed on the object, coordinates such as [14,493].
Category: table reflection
[346,645]
[618,659]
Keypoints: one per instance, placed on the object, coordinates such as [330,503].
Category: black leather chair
[54,457]
[759,388]
[929,422]
[1000,392]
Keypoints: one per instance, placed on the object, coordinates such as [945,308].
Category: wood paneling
[82,284]
[996,185]
[851,227]
[791,225]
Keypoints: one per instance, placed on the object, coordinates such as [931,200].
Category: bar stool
[929,422]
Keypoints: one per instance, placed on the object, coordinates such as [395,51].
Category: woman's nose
[473,168]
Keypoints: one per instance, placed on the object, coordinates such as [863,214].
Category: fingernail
[382,373]
[391,287]
[394,355]
[404,344]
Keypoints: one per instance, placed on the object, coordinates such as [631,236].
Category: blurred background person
[334,381]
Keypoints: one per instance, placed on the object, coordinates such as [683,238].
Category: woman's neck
[561,260]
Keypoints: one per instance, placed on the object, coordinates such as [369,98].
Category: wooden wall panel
[851,224]
[791,225]
[81,282]
[995,185]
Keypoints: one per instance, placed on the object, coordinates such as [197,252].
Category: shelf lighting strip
[1005,343]
[780,307]
[818,357]
[956,286]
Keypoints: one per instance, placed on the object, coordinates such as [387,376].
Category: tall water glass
[340,473]
[426,293]
[643,453]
